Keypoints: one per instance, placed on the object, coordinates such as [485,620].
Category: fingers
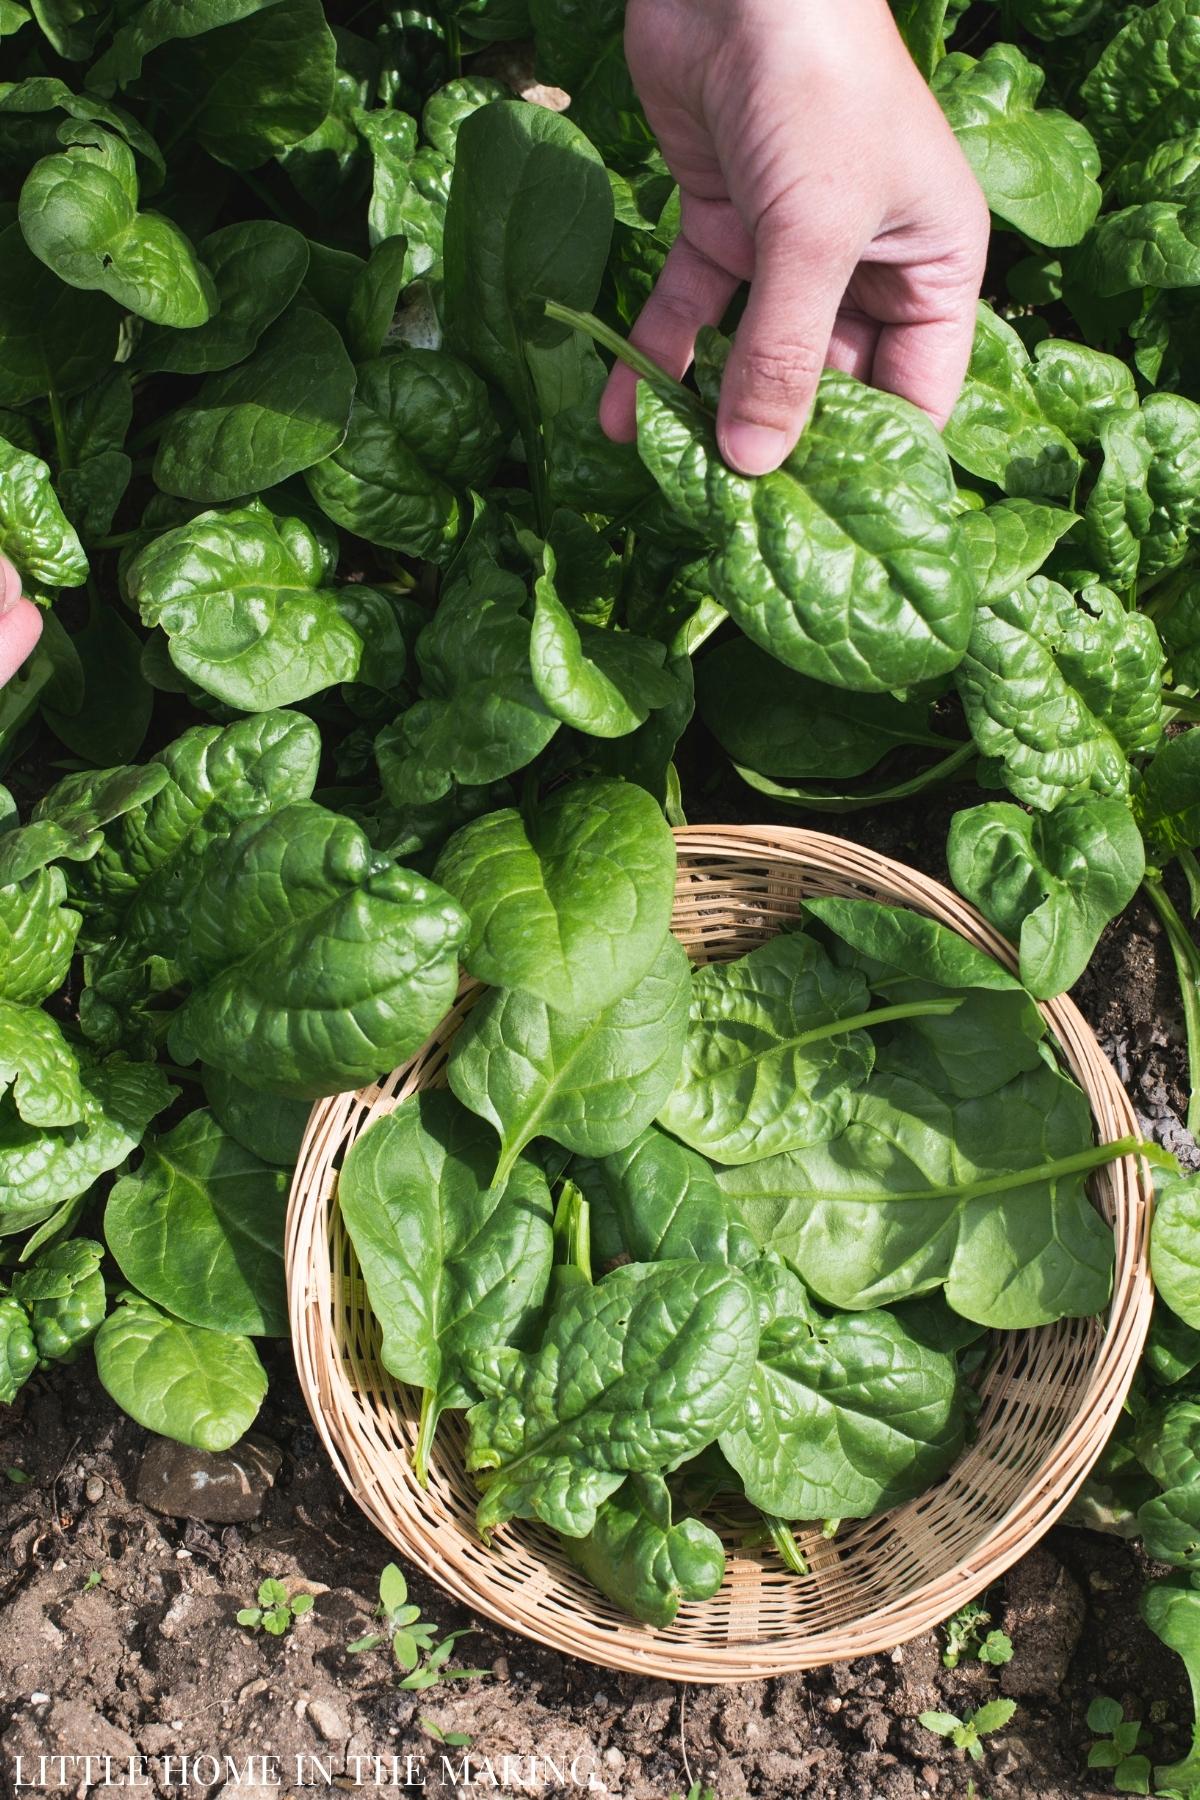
[690,292]
[20,629]
[782,343]
[852,346]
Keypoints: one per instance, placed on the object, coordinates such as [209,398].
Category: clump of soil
[148,1662]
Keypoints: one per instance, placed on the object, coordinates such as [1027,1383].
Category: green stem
[786,1547]
[621,348]
[1081,1163]
[883,1015]
[1191,874]
[430,1413]
[535,447]
[822,802]
[61,449]
[1187,971]
[1186,705]
[178,1074]
[118,540]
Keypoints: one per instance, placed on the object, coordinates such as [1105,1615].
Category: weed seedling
[415,1647]
[967,1636]
[456,1738]
[92,1580]
[1115,1746]
[17,1476]
[696,1792]
[276,1611]
[967,1734]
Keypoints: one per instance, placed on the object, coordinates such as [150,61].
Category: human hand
[814,163]
[20,622]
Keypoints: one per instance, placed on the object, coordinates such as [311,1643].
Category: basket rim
[1050,1487]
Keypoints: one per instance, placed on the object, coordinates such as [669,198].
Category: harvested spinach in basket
[756,1161]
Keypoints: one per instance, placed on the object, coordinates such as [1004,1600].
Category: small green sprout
[967,1636]
[414,1645]
[17,1476]
[966,1734]
[696,1792]
[1115,1746]
[456,1738]
[276,1610]
[92,1580]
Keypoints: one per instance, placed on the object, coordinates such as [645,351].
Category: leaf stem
[1186,705]
[430,1413]
[621,348]
[819,802]
[1187,972]
[1082,1162]
[786,1547]
[61,449]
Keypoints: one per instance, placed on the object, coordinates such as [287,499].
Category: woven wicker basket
[1050,1397]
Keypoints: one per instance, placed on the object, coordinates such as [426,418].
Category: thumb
[781,345]
[20,629]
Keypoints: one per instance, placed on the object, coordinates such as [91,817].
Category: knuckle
[787,371]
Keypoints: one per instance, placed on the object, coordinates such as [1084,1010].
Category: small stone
[223,1489]
[614,1758]
[327,1721]
[500,1668]
[94,1489]
[833,1704]
[600,1699]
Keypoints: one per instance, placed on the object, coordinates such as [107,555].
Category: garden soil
[118,1634]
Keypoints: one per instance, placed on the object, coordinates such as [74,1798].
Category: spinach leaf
[999,430]
[657,1201]
[605,683]
[79,215]
[257,268]
[776,1047]
[480,717]
[50,334]
[18,1351]
[894,940]
[1142,89]
[421,428]
[858,579]
[63,1292]
[1036,166]
[570,901]
[1051,882]
[38,1066]
[1007,543]
[242,597]
[200,1387]
[42,1166]
[34,531]
[453,1266]
[317,964]
[774,720]
[982,1195]
[844,1415]
[1175,1246]
[273,416]
[1166,802]
[591,1084]
[642,1559]
[633,1376]
[199,1230]
[529,216]
[270,1128]
[1058,691]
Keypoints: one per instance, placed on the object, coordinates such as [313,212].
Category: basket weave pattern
[1049,1399]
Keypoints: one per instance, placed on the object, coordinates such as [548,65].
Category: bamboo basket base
[1049,1399]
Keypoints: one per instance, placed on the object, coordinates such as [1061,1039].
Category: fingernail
[754,449]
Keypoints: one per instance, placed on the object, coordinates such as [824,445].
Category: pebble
[221,1489]
[500,1668]
[94,1490]
[327,1721]
[600,1699]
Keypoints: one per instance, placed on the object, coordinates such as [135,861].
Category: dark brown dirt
[150,1663]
